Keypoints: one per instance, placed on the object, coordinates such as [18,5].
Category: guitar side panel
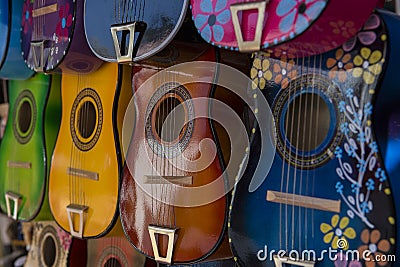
[386,117]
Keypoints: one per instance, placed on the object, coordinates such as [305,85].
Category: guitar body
[12,65]
[27,146]
[163,19]
[199,229]
[328,189]
[299,28]
[113,251]
[51,246]
[53,38]
[85,172]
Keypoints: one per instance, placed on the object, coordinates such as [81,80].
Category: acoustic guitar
[86,169]
[51,246]
[53,38]
[299,28]
[327,194]
[26,149]
[161,229]
[113,251]
[12,65]
[130,31]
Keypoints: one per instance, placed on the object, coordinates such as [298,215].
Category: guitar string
[175,155]
[292,94]
[310,131]
[309,155]
[317,133]
[301,144]
[297,97]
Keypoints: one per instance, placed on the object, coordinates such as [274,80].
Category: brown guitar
[157,227]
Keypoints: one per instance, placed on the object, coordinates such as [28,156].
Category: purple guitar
[53,38]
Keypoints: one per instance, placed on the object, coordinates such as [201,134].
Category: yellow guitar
[85,172]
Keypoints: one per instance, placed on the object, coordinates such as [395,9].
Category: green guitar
[25,152]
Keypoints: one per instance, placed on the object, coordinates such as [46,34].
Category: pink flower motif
[65,238]
[366,36]
[27,16]
[65,21]
[343,261]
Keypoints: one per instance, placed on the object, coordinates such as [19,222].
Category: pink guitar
[312,26]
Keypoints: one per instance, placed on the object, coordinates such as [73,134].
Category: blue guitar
[126,31]
[12,64]
[327,200]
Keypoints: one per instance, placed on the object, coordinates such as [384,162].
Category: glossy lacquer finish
[88,141]
[59,25]
[12,65]
[199,229]
[311,27]
[29,138]
[342,170]
[163,20]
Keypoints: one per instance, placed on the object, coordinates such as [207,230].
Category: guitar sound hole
[87,119]
[168,130]
[307,122]
[112,262]
[24,116]
[49,251]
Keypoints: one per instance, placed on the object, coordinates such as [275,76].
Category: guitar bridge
[37,48]
[15,198]
[286,260]
[255,44]
[153,230]
[127,31]
[79,210]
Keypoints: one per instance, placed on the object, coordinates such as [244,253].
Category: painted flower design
[285,50]
[367,36]
[65,238]
[343,261]
[213,15]
[337,233]
[298,13]
[260,72]
[284,71]
[27,16]
[339,65]
[65,21]
[373,247]
[344,28]
[367,65]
